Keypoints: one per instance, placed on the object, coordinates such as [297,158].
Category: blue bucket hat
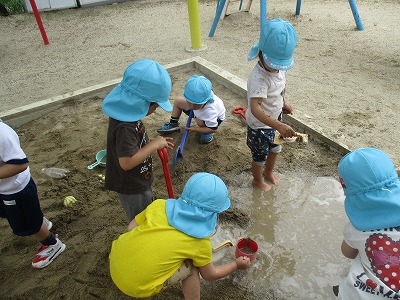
[198,90]
[372,189]
[144,81]
[195,212]
[277,42]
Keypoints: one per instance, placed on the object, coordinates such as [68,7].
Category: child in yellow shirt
[169,242]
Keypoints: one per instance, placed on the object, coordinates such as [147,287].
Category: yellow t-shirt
[142,259]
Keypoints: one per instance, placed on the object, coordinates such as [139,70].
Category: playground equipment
[222,6]
[194,22]
[39,22]
[225,8]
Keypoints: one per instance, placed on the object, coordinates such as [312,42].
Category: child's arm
[128,163]
[348,251]
[256,109]
[9,170]
[211,272]
[287,108]
[202,128]
[132,225]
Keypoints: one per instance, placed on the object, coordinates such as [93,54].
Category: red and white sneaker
[47,254]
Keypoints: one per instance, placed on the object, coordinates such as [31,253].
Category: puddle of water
[298,226]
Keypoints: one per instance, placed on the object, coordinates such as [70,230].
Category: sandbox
[297,225]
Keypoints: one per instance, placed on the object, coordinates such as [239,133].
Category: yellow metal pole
[194,22]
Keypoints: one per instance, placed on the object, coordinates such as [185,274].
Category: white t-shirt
[211,112]
[375,272]
[11,152]
[270,87]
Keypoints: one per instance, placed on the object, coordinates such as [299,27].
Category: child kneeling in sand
[208,109]
[169,242]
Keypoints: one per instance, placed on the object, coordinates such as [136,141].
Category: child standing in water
[266,102]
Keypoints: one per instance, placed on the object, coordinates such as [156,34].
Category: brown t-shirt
[124,139]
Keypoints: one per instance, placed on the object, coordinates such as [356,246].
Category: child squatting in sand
[169,242]
[208,109]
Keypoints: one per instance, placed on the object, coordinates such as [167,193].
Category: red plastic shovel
[164,160]
[240,110]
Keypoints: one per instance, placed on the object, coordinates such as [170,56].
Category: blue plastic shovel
[179,151]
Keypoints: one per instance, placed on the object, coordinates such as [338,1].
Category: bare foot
[272,178]
[262,186]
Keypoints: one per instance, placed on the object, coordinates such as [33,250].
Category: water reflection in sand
[298,227]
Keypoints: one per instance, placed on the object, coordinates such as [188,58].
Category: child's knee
[277,149]
[185,270]
[259,163]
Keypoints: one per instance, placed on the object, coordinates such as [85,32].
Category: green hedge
[14,6]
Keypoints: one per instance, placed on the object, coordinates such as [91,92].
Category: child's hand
[191,129]
[164,142]
[201,130]
[287,108]
[286,131]
[243,262]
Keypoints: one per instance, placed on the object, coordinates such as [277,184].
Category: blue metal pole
[354,9]
[263,12]
[220,7]
[298,5]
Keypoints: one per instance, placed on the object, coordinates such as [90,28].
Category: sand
[345,84]
[88,227]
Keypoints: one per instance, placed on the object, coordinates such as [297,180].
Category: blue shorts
[261,142]
[22,210]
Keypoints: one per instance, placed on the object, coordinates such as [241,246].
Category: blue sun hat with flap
[144,81]
[372,189]
[195,212]
[277,41]
[198,90]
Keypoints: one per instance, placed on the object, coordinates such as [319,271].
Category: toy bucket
[101,157]
[246,247]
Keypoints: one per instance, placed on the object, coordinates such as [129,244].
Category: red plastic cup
[246,247]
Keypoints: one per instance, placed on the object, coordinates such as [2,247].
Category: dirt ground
[345,83]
